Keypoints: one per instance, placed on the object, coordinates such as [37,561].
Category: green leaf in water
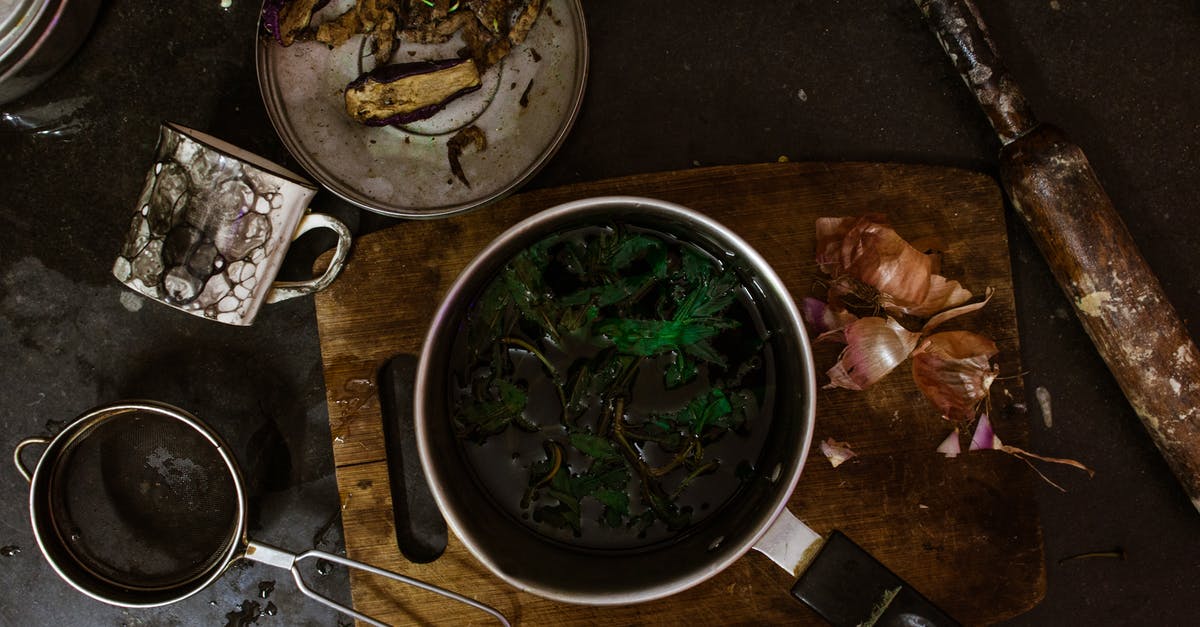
[695,321]
[491,416]
[680,371]
[616,506]
[594,446]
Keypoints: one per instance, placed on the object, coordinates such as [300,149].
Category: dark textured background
[672,85]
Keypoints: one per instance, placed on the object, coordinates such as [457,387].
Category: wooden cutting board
[964,531]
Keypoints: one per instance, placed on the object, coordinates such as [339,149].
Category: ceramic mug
[213,225]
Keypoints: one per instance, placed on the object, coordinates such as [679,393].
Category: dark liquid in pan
[509,463]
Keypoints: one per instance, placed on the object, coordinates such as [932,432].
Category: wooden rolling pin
[1116,296]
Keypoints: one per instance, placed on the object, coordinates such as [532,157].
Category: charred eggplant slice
[472,135]
[284,19]
[406,92]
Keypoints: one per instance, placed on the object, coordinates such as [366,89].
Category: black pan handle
[847,586]
[420,528]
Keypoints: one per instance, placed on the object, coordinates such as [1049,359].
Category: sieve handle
[288,561]
[25,472]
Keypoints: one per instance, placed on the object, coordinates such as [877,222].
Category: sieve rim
[77,574]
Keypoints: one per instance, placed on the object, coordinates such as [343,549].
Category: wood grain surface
[964,531]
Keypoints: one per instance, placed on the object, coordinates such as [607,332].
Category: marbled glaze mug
[213,225]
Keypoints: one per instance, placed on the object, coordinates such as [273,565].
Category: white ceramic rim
[218,145]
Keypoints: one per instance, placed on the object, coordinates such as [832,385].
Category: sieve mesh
[144,501]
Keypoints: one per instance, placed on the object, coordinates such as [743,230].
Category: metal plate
[405,172]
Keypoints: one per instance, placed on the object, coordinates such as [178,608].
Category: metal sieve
[139,504]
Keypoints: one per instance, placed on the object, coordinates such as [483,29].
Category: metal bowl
[404,172]
[557,570]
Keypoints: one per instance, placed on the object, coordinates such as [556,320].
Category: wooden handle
[961,31]
[1116,296]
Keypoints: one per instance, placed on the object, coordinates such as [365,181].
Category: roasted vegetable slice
[376,18]
[284,19]
[472,135]
[407,92]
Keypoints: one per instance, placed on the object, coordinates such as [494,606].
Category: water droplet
[247,614]
[323,567]
[270,610]
[265,588]
[10,550]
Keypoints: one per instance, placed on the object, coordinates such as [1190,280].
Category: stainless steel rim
[44,529]
[18,45]
[452,300]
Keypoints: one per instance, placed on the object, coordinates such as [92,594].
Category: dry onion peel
[865,251]
[942,295]
[836,452]
[876,255]
[985,439]
[821,318]
[950,447]
[871,264]
[953,370]
[874,347]
[950,314]
[830,233]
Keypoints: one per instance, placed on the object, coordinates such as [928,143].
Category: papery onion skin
[830,234]
[876,255]
[943,294]
[953,370]
[955,312]
[874,347]
[821,318]
[950,447]
[984,438]
[836,452]
[903,279]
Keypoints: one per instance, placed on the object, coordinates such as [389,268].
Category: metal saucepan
[519,555]
[36,38]
[139,504]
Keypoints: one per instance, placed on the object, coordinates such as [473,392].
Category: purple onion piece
[984,438]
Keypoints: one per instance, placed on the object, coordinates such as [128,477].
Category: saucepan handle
[288,561]
[844,583]
[25,472]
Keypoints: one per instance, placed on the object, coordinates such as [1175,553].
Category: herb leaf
[596,447]
[490,416]
[595,306]
[680,371]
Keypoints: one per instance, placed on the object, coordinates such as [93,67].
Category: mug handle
[25,472]
[283,290]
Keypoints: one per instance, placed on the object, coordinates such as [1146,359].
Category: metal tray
[405,172]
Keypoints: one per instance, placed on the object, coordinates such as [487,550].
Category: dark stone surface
[672,85]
